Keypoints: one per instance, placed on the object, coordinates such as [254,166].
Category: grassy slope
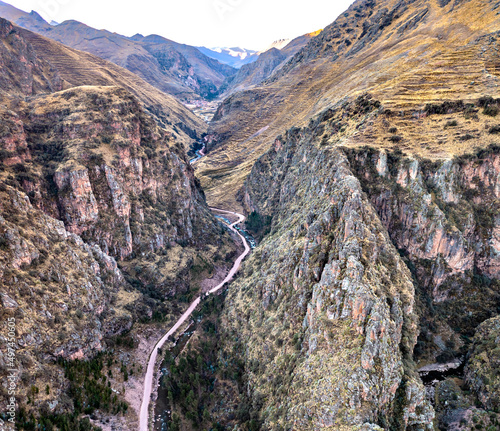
[76,68]
[438,58]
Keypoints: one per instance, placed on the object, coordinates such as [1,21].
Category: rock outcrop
[368,250]
[483,366]
[65,296]
[326,308]
[443,218]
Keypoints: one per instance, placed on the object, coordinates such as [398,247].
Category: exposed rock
[329,283]
[482,371]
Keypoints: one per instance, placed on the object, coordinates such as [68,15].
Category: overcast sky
[252,24]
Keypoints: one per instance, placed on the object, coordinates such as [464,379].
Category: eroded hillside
[375,263]
[406,53]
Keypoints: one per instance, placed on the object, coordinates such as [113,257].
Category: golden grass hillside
[406,54]
[51,66]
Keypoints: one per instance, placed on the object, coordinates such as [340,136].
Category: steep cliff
[368,252]
[102,224]
[484,362]
[325,312]
[66,297]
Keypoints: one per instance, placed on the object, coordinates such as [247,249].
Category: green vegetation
[53,422]
[447,107]
[193,373]
[395,138]
[490,105]
[258,225]
[89,389]
[89,386]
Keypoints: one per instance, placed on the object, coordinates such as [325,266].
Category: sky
[251,24]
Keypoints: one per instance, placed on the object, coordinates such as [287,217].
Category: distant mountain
[234,57]
[278,44]
[267,62]
[174,68]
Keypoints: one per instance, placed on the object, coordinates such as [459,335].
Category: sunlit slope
[405,54]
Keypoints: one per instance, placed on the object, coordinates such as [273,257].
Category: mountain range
[235,57]
[366,160]
[174,68]
[188,73]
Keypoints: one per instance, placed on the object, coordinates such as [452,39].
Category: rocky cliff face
[368,251]
[102,223]
[443,218]
[66,296]
[103,167]
[332,295]
[483,365]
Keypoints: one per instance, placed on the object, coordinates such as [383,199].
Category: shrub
[485,101]
[393,130]
[4,244]
[4,154]
[491,111]
[494,130]
[466,137]
[395,138]
[452,123]
[446,107]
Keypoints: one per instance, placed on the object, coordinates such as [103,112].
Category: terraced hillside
[405,53]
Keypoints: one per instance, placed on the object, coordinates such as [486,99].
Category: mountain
[371,260]
[33,20]
[200,73]
[234,57]
[173,68]
[268,61]
[103,225]
[364,50]
[368,165]
[58,67]
[277,44]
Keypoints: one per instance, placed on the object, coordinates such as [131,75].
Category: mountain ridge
[173,68]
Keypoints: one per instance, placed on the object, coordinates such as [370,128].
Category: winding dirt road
[148,381]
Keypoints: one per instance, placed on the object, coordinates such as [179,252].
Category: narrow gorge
[310,242]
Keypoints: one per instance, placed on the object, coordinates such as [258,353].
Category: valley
[152,364]
[301,238]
